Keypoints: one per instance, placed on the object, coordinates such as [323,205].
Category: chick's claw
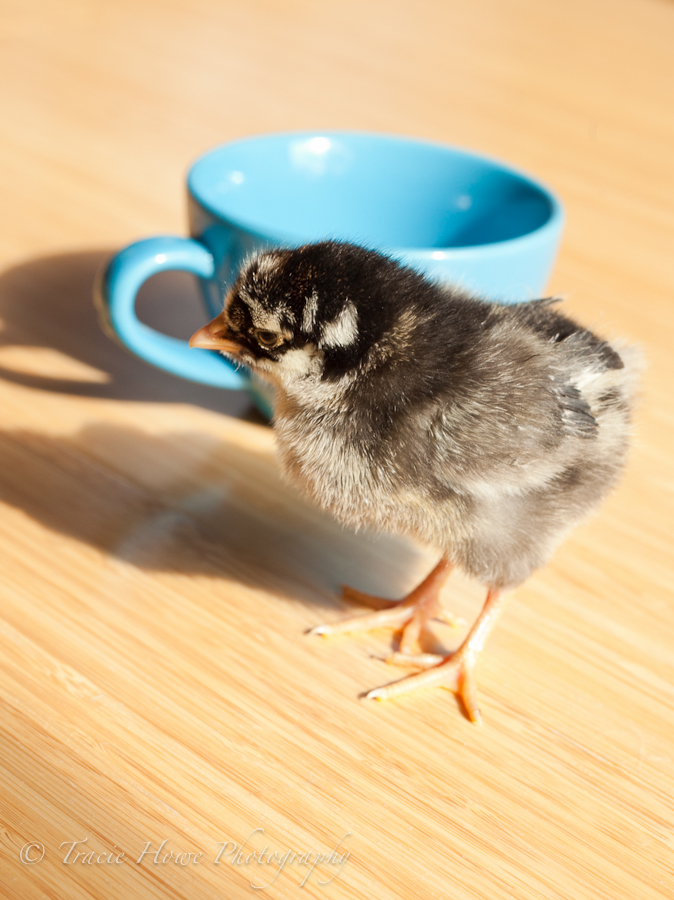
[395,617]
[455,671]
[417,660]
[409,615]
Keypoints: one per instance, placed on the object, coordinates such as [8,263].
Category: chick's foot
[408,615]
[455,671]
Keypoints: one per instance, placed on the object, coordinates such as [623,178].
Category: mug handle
[115,297]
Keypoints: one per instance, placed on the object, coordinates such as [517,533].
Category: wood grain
[157,576]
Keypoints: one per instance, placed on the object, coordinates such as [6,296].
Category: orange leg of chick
[456,671]
[408,615]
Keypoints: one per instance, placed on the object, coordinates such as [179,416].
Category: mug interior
[371,189]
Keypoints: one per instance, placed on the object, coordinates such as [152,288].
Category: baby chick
[485,431]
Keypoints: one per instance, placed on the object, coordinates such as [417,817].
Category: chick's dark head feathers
[320,309]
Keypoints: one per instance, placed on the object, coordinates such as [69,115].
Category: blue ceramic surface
[454,215]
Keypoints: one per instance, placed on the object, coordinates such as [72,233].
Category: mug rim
[552,223]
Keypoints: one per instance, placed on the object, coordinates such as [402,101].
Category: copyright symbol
[31,853]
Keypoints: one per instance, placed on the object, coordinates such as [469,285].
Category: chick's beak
[214,336]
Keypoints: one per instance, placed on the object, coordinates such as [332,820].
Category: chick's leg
[408,615]
[456,671]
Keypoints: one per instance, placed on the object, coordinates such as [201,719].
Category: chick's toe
[456,671]
[409,615]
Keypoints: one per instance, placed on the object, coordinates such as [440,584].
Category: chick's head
[313,312]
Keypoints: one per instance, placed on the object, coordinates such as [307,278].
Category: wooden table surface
[157,577]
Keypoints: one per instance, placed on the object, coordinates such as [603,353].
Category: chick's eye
[267,338]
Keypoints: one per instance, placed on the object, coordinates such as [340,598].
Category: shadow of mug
[51,339]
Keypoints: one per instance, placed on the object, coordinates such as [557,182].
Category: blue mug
[456,216]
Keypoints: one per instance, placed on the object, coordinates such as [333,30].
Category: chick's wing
[515,417]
